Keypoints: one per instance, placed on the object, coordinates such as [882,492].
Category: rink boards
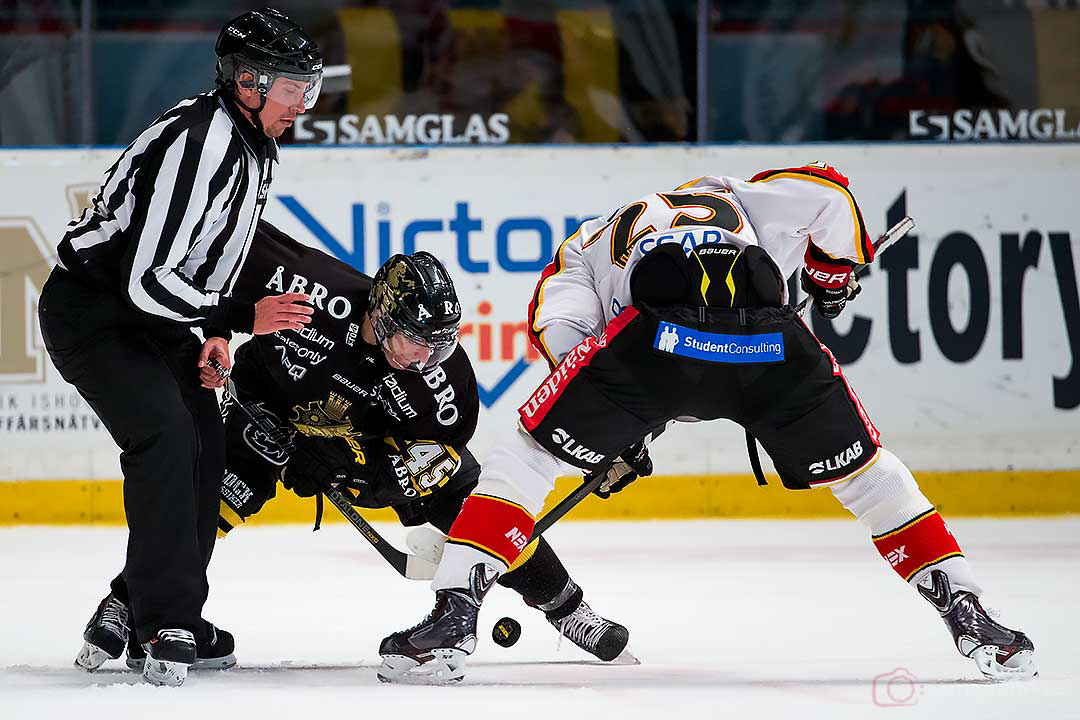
[963,345]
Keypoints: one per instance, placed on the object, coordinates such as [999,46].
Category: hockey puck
[506,632]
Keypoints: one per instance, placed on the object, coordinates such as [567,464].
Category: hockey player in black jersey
[375,398]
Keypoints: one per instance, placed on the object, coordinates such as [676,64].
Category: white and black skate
[213,651]
[169,654]
[592,633]
[105,634]
[999,653]
[434,651]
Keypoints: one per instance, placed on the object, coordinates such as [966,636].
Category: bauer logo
[719,347]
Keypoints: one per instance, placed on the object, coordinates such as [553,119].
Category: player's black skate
[214,650]
[105,634]
[596,635]
[434,650]
[999,653]
[169,654]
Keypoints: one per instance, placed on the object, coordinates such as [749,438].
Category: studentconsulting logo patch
[719,347]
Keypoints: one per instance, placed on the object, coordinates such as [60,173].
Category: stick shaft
[590,483]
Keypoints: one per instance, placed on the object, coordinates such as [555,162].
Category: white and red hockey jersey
[587,283]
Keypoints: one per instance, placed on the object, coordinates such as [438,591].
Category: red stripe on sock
[493,525]
[920,542]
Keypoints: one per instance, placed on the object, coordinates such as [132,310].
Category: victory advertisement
[962,346]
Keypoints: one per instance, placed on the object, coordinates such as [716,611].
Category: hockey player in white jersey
[674,307]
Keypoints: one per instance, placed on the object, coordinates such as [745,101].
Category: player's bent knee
[520,471]
[884,495]
[500,488]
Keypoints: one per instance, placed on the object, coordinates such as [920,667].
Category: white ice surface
[731,619]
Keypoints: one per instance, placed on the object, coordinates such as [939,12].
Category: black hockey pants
[760,367]
[140,377]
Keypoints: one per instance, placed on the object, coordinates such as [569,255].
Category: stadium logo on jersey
[310,333]
[574,449]
[719,347]
[399,396]
[838,461]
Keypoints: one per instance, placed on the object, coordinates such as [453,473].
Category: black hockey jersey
[327,382]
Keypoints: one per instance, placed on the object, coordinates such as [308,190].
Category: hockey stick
[889,237]
[589,483]
[408,566]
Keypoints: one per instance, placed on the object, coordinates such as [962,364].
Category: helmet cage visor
[408,351]
[290,89]
[284,88]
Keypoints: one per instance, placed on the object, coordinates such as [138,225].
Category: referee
[155,256]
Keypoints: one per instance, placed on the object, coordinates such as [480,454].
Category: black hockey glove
[632,463]
[316,465]
[829,281]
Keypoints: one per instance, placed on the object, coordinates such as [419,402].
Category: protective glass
[289,89]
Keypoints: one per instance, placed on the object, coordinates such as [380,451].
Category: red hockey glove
[829,281]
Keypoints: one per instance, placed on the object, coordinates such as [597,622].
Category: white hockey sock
[521,471]
[457,561]
[884,496]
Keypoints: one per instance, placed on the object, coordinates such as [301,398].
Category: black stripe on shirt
[234,158]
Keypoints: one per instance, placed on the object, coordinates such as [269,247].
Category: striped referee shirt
[174,219]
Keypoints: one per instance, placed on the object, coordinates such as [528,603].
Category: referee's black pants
[139,374]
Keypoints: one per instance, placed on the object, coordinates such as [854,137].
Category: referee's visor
[290,88]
